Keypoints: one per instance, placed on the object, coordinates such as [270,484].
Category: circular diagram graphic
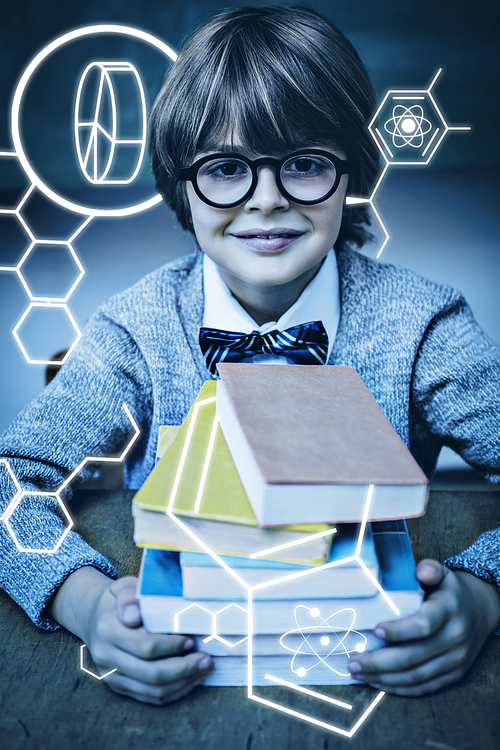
[103,90]
[98,162]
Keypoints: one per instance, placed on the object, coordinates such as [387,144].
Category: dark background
[443,218]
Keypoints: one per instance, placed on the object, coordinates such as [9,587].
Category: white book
[267,670]
[164,609]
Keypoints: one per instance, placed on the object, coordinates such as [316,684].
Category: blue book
[204,578]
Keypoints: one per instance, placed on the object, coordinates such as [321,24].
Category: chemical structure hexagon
[410,126]
[93,674]
[21,494]
[46,308]
[213,617]
[8,519]
[43,301]
[12,479]
[209,403]
[68,258]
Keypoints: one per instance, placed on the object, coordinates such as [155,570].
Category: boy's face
[232,237]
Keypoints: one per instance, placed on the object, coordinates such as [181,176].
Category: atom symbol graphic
[408,126]
[340,640]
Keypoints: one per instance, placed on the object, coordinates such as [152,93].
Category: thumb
[127,604]
[430,574]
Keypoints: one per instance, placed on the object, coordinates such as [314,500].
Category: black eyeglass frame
[191,174]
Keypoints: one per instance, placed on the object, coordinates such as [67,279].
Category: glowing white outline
[352,200]
[46,304]
[320,696]
[214,635]
[106,459]
[322,626]
[47,298]
[269,551]
[16,105]
[92,674]
[206,464]
[106,68]
[299,688]
[426,95]
[221,562]
[17,485]
[14,503]
[302,689]
[34,241]
[408,114]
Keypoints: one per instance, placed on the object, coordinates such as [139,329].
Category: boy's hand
[152,668]
[438,644]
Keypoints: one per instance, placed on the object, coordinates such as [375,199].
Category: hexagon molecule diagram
[50,270]
[408,126]
[44,329]
[27,531]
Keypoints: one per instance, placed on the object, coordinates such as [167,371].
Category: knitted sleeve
[79,414]
[456,390]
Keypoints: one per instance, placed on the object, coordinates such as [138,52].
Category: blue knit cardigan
[416,345]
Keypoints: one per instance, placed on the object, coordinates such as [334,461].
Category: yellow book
[197,479]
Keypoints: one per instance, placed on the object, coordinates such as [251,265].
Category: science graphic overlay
[412,129]
[340,637]
[97,121]
[411,126]
[8,517]
[18,495]
[106,123]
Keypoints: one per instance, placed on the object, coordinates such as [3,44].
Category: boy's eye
[223,169]
[307,166]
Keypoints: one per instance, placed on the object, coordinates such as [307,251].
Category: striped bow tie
[306,344]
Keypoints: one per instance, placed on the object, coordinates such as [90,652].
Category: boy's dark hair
[279,78]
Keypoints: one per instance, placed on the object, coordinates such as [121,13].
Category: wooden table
[48,703]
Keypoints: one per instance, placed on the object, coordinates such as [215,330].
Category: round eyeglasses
[225,180]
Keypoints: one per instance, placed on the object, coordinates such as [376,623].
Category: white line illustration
[97,141]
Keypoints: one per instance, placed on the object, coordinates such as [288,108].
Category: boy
[256,137]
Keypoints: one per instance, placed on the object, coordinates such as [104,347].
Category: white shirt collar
[320,300]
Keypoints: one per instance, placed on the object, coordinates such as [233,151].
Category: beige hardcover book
[309,441]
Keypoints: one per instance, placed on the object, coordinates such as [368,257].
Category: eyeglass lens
[307,177]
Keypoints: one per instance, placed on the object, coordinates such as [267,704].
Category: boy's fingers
[156,695]
[150,646]
[424,688]
[430,618]
[127,605]
[164,672]
[431,573]
[398,659]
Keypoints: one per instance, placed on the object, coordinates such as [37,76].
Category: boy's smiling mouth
[268,240]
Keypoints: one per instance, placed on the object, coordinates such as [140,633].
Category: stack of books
[257,535]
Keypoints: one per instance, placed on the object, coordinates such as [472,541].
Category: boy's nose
[266,196]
